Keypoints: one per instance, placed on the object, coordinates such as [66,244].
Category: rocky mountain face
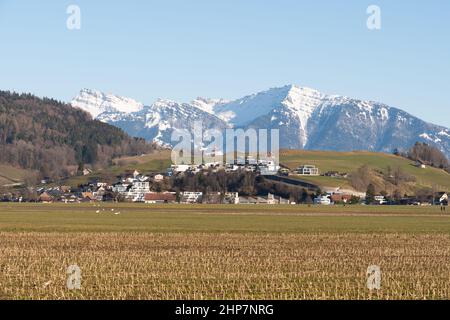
[157,121]
[306,118]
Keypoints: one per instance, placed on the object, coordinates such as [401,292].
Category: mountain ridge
[307,119]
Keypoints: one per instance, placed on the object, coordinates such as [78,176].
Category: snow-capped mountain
[306,118]
[157,121]
[96,103]
[286,108]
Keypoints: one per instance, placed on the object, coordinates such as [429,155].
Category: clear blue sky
[182,49]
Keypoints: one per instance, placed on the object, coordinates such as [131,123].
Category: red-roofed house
[160,197]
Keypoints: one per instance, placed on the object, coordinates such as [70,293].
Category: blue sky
[182,49]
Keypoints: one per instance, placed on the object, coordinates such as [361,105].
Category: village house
[267,167]
[87,197]
[308,170]
[248,200]
[70,199]
[158,178]
[160,197]
[99,193]
[65,189]
[138,190]
[420,164]
[45,198]
[212,198]
[322,200]
[121,187]
[269,199]
[191,197]
[341,198]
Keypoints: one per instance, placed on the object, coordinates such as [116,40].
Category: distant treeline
[49,136]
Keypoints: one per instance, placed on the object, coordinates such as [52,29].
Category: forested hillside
[51,137]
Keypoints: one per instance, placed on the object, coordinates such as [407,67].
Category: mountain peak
[96,102]
[297,90]
[161,102]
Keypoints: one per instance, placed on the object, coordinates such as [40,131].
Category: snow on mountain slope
[207,105]
[305,117]
[164,116]
[242,111]
[290,101]
[96,103]
[157,121]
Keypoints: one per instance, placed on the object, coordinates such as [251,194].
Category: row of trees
[246,183]
[428,154]
[239,181]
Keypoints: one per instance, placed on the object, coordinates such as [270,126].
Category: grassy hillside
[149,163]
[351,161]
[10,175]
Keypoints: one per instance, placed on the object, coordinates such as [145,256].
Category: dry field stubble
[223,265]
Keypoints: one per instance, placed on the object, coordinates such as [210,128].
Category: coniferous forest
[50,137]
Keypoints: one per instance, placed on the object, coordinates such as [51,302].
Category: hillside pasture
[347,162]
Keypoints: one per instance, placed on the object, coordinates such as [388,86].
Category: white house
[268,167]
[322,200]
[158,178]
[308,170]
[120,187]
[191,197]
[138,190]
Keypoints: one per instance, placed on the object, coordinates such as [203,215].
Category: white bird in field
[117,213]
[98,211]
[112,210]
